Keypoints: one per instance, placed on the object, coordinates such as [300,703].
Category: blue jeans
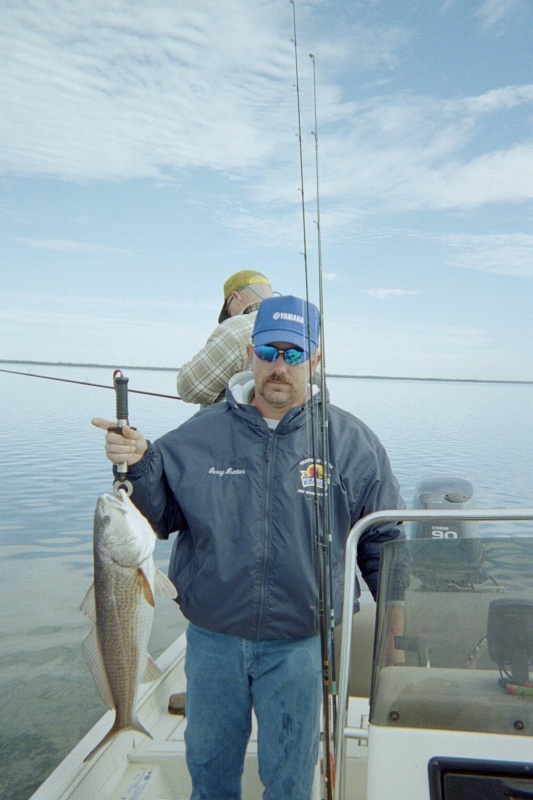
[226,677]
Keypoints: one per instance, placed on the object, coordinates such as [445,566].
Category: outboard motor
[448,494]
[450,558]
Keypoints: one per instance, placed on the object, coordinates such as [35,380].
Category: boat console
[451,713]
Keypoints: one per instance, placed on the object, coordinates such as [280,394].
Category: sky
[151,148]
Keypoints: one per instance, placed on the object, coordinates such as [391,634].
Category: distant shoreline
[328,374]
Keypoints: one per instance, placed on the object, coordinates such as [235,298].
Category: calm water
[53,468]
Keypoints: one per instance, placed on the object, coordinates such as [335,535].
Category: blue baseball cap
[287,319]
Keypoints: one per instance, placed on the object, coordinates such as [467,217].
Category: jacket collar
[239,391]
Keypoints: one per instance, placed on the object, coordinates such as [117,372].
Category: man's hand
[128,446]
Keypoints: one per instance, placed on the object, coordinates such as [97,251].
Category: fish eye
[106,519]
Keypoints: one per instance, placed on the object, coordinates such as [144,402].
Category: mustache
[277,379]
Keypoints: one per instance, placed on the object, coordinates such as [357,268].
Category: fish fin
[146,588]
[93,655]
[151,670]
[135,726]
[163,586]
[88,604]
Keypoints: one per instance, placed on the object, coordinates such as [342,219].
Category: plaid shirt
[205,377]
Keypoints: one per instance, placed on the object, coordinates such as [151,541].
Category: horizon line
[328,374]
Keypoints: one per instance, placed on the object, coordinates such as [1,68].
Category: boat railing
[344,732]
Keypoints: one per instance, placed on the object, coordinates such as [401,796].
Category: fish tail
[134,726]
[107,738]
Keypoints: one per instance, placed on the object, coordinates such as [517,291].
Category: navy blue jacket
[242,498]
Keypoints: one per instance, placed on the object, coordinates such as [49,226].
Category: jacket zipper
[266,531]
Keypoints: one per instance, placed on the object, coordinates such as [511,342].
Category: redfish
[121,603]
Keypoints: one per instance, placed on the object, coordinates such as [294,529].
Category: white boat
[450,722]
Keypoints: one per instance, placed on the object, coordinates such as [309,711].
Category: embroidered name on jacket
[228,471]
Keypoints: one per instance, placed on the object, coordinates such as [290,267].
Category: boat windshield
[463,661]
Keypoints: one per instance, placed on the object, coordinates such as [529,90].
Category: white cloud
[501,254]
[492,12]
[406,152]
[127,90]
[121,91]
[69,246]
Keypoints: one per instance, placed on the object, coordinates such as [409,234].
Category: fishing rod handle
[121,393]
[120,383]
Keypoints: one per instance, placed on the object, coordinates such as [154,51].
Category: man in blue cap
[290,328]
[239,482]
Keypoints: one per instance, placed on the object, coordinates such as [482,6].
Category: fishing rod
[300,150]
[326,506]
[87,383]
[322,532]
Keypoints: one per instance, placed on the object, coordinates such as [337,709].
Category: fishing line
[87,383]
[322,533]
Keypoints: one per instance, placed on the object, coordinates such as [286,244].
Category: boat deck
[133,767]
[155,770]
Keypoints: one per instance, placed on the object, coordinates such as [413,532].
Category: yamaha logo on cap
[292,317]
